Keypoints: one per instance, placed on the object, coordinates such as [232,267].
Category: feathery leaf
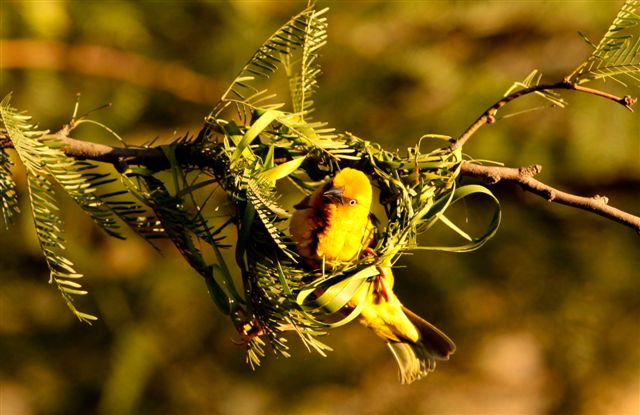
[8,196]
[40,161]
[617,55]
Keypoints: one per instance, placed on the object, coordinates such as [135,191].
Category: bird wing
[303,204]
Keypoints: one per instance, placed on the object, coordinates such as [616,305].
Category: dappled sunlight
[545,315]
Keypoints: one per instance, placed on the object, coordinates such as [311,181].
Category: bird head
[350,187]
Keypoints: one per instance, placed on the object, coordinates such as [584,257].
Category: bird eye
[352,202]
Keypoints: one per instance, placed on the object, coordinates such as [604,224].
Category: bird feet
[381,288]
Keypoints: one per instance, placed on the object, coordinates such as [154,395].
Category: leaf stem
[627,101]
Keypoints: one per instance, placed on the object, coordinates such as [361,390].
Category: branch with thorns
[155,159]
[524,176]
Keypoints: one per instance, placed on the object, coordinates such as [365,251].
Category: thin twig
[627,101]
[524,176]
[489,115]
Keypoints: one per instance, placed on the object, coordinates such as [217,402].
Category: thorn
[602,199]
[531,170]
[493,178]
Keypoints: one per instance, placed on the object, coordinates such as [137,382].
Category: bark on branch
[120,157]
[524,176]
[155,159]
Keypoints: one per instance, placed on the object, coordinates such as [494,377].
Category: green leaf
[220,298]
[41,162]
[617,55]
[241,151]
[282,170]
[302,30]
[474,242]
[337,295]
[8,196]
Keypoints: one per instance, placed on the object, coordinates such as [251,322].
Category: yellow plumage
[333,225]
[333,222]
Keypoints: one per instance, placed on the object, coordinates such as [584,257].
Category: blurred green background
[546,315]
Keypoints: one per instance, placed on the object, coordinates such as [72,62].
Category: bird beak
[334,195]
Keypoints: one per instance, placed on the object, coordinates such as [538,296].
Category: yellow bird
[333,225]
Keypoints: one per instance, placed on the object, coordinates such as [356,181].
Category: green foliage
[617,55]
[8,196]
[47,166]
[45,162]
[280,292]
[533,80]
[251,142]
[306,31]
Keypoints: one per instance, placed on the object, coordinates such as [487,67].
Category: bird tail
[417,359]
[414,362]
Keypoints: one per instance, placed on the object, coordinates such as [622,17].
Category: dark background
[546,315]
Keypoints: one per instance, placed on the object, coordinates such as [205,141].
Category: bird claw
[369,251]
[381,288]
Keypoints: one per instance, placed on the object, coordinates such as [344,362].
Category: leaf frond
[533,80]
[8,196]
[617,55]
[41,163]
[305,31]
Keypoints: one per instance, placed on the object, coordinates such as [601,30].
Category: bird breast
[343,236]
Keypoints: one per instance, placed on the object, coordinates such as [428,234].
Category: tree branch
[120,157]
[97,60]
[155,159]
[524,176]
